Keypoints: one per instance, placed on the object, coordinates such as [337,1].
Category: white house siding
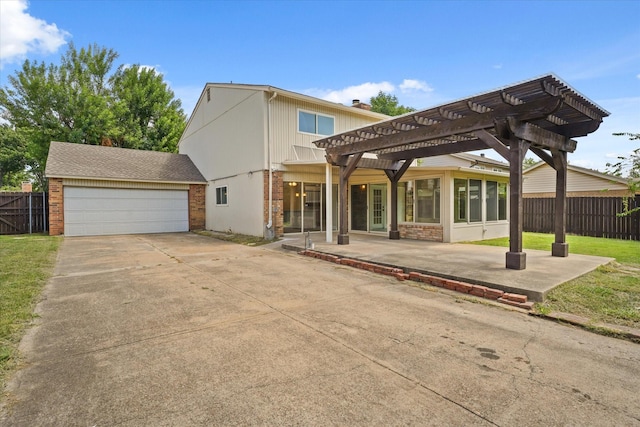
[284,119]
[225,139]
[542,179]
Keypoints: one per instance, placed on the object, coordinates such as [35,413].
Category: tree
[388,104]
[148,115]
[528,162]
[82,100]
[629,165]
[12,157]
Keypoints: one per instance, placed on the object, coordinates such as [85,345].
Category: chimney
[357,104]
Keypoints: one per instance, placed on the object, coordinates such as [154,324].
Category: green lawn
[26,263]
[609,294]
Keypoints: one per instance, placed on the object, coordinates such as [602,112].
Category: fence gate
[23,213]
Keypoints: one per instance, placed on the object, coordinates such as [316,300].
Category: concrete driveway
[181,329]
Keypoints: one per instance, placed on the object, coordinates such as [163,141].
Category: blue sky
[425,53]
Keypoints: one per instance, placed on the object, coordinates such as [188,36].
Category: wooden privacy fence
[23,213]
[586,216]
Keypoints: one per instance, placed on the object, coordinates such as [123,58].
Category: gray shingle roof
[69,160]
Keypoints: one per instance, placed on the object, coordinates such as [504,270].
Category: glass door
[378,207]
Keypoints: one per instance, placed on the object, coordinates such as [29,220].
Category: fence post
[30,214]
[44,212]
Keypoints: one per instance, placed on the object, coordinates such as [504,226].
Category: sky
[424,52]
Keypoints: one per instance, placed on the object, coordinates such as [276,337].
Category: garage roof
[67,160]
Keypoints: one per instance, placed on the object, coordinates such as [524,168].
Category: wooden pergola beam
[436,150]
[520,113]
[366,162]
[541,137]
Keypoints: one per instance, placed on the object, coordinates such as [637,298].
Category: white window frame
[226,195]
[316,114]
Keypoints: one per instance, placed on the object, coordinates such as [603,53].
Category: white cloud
[497,67]
[22,33]
[363,92]
[638,76]
[410,86]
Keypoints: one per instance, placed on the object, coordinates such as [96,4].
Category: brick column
[56,207]
[278,190]
[197,206]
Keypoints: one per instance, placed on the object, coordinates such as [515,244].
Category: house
[254,146]
[95,190]
[581,182]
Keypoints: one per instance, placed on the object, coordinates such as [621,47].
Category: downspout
[270,222]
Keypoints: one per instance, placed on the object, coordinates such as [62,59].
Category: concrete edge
[532,295]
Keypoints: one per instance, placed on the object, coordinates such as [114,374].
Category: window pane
[221,196]
[428,200]
[325,125]
[292,204]
[405,201]
[492,201]
[502,201]
[475,200]
[460,200]
[306,122]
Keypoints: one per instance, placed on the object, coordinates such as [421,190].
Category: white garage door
[100,211]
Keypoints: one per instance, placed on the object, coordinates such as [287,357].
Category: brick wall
[197,206]
[56,207]
[432,233]
[278,195]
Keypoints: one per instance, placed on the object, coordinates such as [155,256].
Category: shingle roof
[67,160]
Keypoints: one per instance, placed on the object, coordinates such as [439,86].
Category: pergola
[541,115]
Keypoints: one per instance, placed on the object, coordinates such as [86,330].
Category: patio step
[512,299]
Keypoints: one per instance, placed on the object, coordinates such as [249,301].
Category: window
[475,200]
[460,200]
[221,196]
[502,201]
[405,201]
[492,201]
[315,123]
[428,200]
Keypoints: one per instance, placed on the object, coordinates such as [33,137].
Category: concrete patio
[480,265]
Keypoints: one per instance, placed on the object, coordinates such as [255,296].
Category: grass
[26,263]
[610,294]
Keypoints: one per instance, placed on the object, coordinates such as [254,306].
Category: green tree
[82,100]
[528,162]
[628,166]
[13,158]
[386,103]
[148,115]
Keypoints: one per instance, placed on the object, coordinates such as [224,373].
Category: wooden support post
[394,233]
[560,247]
[343,233]
[394,177]
[345,173]
[516,259]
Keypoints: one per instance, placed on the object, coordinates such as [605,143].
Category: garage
[100,190]
[102,211]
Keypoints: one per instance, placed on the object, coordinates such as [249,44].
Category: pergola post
[560,247]
[394,233]
[343,233]
[345,172]
[394,177]
[516,259]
